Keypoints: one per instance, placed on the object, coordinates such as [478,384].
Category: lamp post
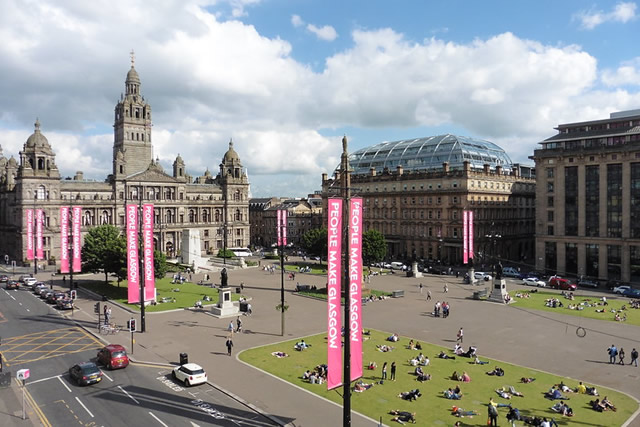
[493,237]
[141,275]
[37,195]
[345,184]
[281,231]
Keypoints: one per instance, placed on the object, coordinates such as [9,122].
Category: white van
[511,272]
[397,265]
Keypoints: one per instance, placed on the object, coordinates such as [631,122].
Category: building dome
[37,139]
[231,156]
[13,163]
[429,153]
[132,76]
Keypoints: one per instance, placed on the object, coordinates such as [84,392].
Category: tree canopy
[374,247]
[104,250]
[314,242]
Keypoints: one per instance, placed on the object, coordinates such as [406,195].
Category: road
[47,342]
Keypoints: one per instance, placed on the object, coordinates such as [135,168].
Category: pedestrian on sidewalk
[230,328]
[621,356]
[393,371]
[239,323]
[428,294]
[446,288]
[229,346]
[613,352]
[420,287]
[634,357]
[460,335]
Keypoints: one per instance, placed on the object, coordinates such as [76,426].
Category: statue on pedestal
[499,271]
[224,280]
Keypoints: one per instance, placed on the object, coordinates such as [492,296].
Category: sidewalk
[11,407]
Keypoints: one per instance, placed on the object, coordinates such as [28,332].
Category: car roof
[192,366]
[87,365]
[115,347]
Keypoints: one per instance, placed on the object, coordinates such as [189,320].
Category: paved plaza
[536,339]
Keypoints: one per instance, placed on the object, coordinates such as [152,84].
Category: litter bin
[184,358]
[238,290]
[243,307]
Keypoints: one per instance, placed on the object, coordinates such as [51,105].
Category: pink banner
[133,263]
[29,213]
[284,228]
[147,238]
[39,222]
[64,239]
[355,287]
[77,239]
[334,268]
[465,237]
[279,227]
[471,235]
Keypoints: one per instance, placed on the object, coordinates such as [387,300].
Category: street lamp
[493,237]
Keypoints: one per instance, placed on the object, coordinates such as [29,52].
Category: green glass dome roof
[429,153]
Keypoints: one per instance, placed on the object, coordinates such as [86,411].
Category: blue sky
[286,79]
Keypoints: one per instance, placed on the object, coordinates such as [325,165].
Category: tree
[104,250]
[314,241]
[374,247]
[159,264]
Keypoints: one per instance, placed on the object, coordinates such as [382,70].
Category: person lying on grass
[526,380]
[503,393]
[423,377]
[410,395]
[384,348]
[607,403]
[403,416]
[564,388]
[444,355]
[362,386]
[513,391]
[477,361]
[555,394]
[497,371]
[562,408]
[459,412]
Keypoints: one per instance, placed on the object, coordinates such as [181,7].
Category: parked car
[113,356]
[55,296]
[36,289]
[29,281]
[480,275]
[12,284]
[396,265]
[533,281]
[190,374]
[44,293]
[64,304]
[85,373]
[585,283]
[621,289]
[4,278]
[557,282]
[511,272]
[632,293]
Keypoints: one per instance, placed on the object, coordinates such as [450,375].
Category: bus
[240,252]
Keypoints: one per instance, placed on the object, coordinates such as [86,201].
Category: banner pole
[345,182]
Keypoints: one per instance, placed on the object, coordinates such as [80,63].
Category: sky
[286,79]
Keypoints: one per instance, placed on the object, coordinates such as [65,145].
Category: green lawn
[536,301]
[432,408]
[189,293]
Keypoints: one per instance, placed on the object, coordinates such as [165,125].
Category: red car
[113,356]
[557,282]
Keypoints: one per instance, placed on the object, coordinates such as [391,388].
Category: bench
[397,294]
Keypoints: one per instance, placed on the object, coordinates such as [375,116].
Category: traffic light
[74,295]
[96,308]
[131,325]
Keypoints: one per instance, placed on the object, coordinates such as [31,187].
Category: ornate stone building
[414,192]
[207,203]
[588,199]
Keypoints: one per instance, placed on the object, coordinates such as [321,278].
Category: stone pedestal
[414,269]
[225,308]
[498,292]
[191,249]
[472,279]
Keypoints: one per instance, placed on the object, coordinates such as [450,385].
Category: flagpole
[345,183]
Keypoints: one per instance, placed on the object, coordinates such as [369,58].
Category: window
[592,201]
[550,172]
[571,200]
[550,230]
[614,200]
[550,201]
[549,187]
[550,216]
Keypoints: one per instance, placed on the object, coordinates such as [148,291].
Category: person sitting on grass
[444,355]
[564,388]
[425,361]
[393,338]
[423,377]
[410,395]
[362,386]
[457,350]
[526,380]
[456,376]
[411,346]
[418,346]
[466,378]
[306,375]
[497,371]
[563,409]
[477,361]
[592,391]
[597,406]
[471,352]
[581,388]
[449,394]
[418,371]
[403,416]
[513,415]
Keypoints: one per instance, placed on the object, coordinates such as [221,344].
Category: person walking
[239,323]
[460,336]
[104,311]
[634,357]
[428,294]
[230,327]
[446,288]
[229,346]
[621,356]
[420,287]
[384,371]
[613,352]
[393,371]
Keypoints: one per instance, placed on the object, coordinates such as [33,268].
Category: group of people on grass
[317,376]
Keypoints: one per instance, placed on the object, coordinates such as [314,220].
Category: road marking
[130,397]
[43,419]
[85,408]
[44,379]
[11,297]
[158,419]
[65,386]
[106,375]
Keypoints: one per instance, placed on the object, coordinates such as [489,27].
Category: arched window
[217,215]
[238,215]
[205,215]
[87,219]
[192,215]
[104,218]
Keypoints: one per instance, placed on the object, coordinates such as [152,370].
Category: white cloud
[209,80]
[296,21]
[327,32]
[627,74]
[622,12]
